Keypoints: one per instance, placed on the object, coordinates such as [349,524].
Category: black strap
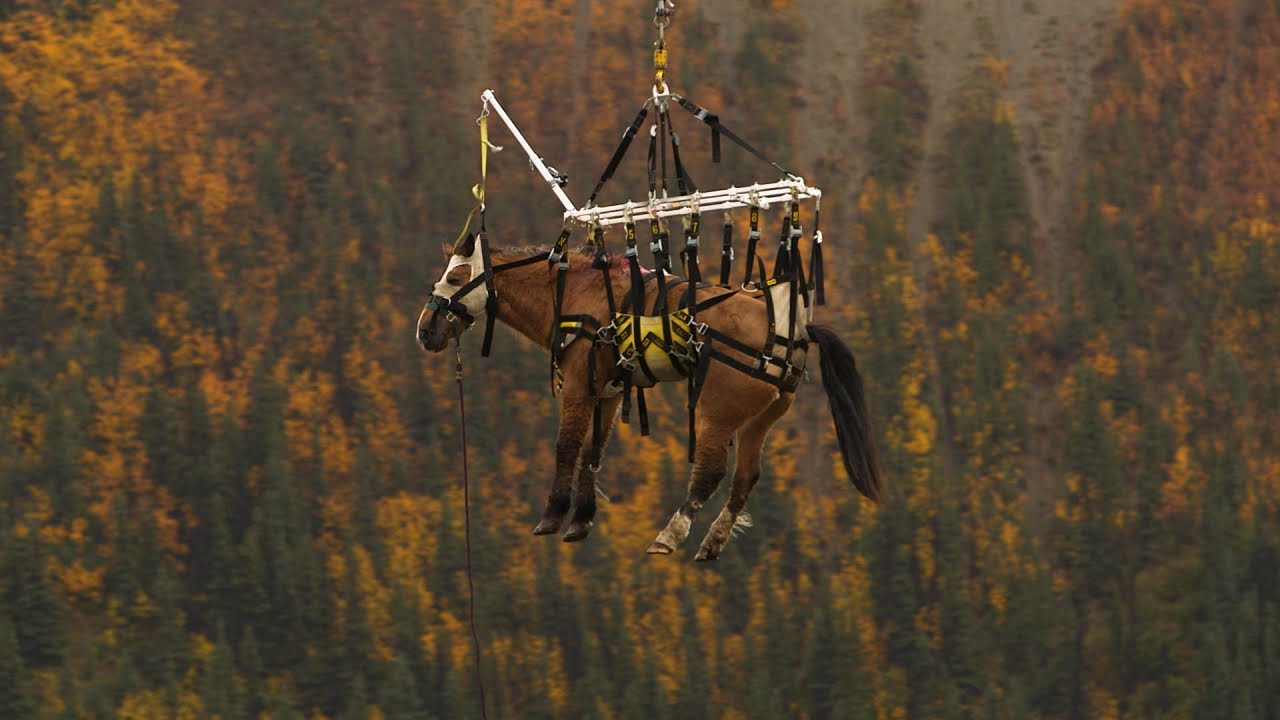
[652,161]
[718,129]
[691,257]
[683,181]
[662,150]
[559,256]
[782,263]
[643,411]
[601,263]
[621,151]
[815,260]
[767,351]
[726,252]
[753,237]
[491,298]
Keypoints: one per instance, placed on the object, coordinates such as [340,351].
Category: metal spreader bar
[553,180]
[758,195]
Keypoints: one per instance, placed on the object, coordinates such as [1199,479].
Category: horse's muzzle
[432,340]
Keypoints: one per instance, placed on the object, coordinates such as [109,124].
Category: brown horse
[518,286]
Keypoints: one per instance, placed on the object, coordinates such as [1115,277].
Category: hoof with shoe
[658,548]
[547,526]
[577,531]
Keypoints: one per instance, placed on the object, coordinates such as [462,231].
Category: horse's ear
[447,249]
[467,246]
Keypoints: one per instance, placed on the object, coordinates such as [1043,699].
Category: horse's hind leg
[710,460]
[584,491]
[746,473]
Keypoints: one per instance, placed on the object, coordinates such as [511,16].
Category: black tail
[843,384]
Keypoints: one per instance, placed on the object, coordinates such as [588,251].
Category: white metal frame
[758,195]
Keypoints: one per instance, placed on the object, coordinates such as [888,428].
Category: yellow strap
[478,190]
[465,226]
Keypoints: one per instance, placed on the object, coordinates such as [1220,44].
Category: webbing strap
[660,131]
[491,300]
[726,252]
[558,257]
[718,129]
[621,151]
[815,259]
[753,237]
[601,263]
[683,181]
[691,258]
[643,411]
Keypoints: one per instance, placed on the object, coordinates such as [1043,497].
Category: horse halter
[453,312]
[456,312]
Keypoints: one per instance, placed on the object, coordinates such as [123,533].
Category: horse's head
[457,298]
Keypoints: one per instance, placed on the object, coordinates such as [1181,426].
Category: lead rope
[466,515]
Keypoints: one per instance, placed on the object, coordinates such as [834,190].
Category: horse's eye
[454,282]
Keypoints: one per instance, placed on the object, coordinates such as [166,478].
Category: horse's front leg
[575,423]
[584,490]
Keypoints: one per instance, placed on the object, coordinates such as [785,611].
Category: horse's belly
[647,347]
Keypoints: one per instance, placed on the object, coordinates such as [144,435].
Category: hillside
[230,483]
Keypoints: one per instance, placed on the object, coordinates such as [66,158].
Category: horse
[519,287]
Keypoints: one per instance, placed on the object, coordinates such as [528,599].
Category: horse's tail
[843,384]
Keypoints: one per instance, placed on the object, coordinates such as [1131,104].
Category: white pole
[489,99]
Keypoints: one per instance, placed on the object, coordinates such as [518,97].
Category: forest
[230,479]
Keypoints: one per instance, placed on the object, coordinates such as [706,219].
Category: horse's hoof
[547,527]
[658,548]
[577,531]
[705,555]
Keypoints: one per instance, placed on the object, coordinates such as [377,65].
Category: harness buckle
[608,334]
[765,361]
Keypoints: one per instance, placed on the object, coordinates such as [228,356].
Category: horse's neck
[525,299]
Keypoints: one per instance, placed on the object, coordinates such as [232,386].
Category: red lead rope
[466,515]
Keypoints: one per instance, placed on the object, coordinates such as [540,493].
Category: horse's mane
[582,251]
[530,250]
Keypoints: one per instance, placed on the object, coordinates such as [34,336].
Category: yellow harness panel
[663,363]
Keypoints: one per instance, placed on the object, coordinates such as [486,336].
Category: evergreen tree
[222,693]
[16,701]
[400,699]
[37,611]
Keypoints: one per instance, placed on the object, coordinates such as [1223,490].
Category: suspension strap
[636,300]
[726,251]
[620,152]
[815,258]
[691,255]
[753,237]
[662,121]
[718,129]
[683,181]
[601,262]
[782,263]
[559,257]
[491,301]
[652,162]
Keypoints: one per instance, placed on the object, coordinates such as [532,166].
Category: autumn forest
[230,480]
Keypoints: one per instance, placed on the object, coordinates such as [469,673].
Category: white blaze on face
[473,301]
